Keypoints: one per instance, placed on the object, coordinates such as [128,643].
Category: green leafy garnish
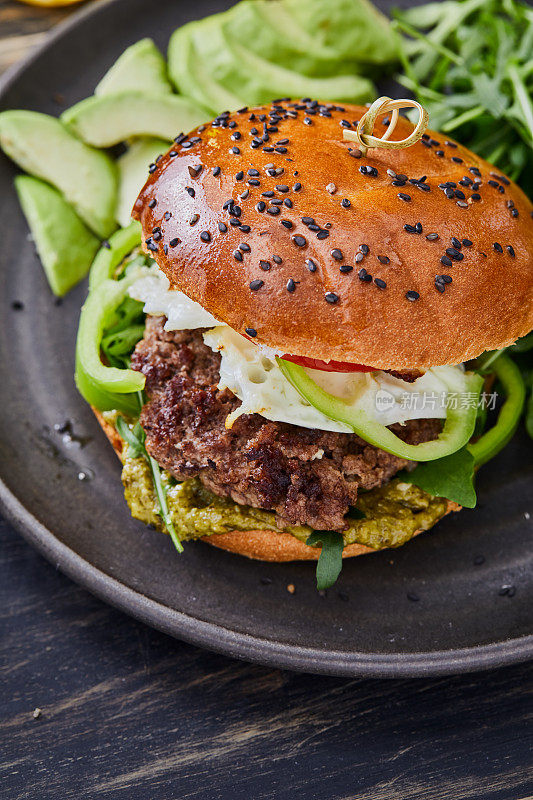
[469,63]
[135,438]
[451,477]
[329,563]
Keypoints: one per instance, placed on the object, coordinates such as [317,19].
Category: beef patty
[306,476]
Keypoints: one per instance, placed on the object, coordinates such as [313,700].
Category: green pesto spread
[392,513]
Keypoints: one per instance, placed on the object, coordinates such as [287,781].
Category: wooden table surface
[127,713]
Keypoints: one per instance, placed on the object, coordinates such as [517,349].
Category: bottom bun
[262,545]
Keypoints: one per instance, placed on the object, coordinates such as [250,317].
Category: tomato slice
[328,366]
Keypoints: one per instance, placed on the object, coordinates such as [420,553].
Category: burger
[295,358]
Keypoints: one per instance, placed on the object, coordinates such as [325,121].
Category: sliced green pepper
[495,439]
[457,430]
[106,388]
[109,257]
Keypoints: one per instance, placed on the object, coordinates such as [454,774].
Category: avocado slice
[65,245]
[108,120]
[260,80]
[133,172]
[190,75]
[354,29]
[42,146]
[140,68]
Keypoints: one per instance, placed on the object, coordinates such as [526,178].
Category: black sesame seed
[456,243]
[444,278]
[174,242]
[495,184]
[474,171]
[475,196]
[239,176]
[450,144]
[459,194]
[439,153]
[251,332]
[431,237]
[260,206]
[281,150]
[194,219]
[268,194]
[235,211]
[190,191]
[291,285]
[364,276]
[398,183]
[235,136]
[514,213]
[288,202]
[454,254]
[245,195]
[282,188]
[273,211]
[497,246]
[299,241]
[265,265]
[345,203]
[467,243]
[405,197]
[277,259]
[222,227]
[409,228]
[337,254]
[384,259]
[152,168]
[449,192]
[310,264]
[462,204]
[365,249]
[287,224]
[152,203]
[244,248]
[245,228]
[237,255]
[331,297]
[234,222]
[345,268]
[412,295]
[380,284]
[510,250]
[457,159]
[322,234]
[256,284]
[297,187]
[446,261]
[205,236]
[235,150]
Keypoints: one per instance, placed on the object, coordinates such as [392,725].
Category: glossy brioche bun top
[333,255]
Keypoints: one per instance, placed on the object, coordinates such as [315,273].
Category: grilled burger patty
[306,476]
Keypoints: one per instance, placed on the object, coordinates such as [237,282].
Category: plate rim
[209,635]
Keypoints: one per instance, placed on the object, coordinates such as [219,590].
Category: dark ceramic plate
[434,606]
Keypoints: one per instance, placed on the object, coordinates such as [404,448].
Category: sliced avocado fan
[44,147]
[65,245]
[107,120]
[140,68]
[231,64]
[191,76]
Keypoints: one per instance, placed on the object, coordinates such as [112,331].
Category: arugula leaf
[134,437]
[469,63]
[329,563]
[451,477]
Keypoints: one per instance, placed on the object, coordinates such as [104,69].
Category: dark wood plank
[129,713]
[23,27]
